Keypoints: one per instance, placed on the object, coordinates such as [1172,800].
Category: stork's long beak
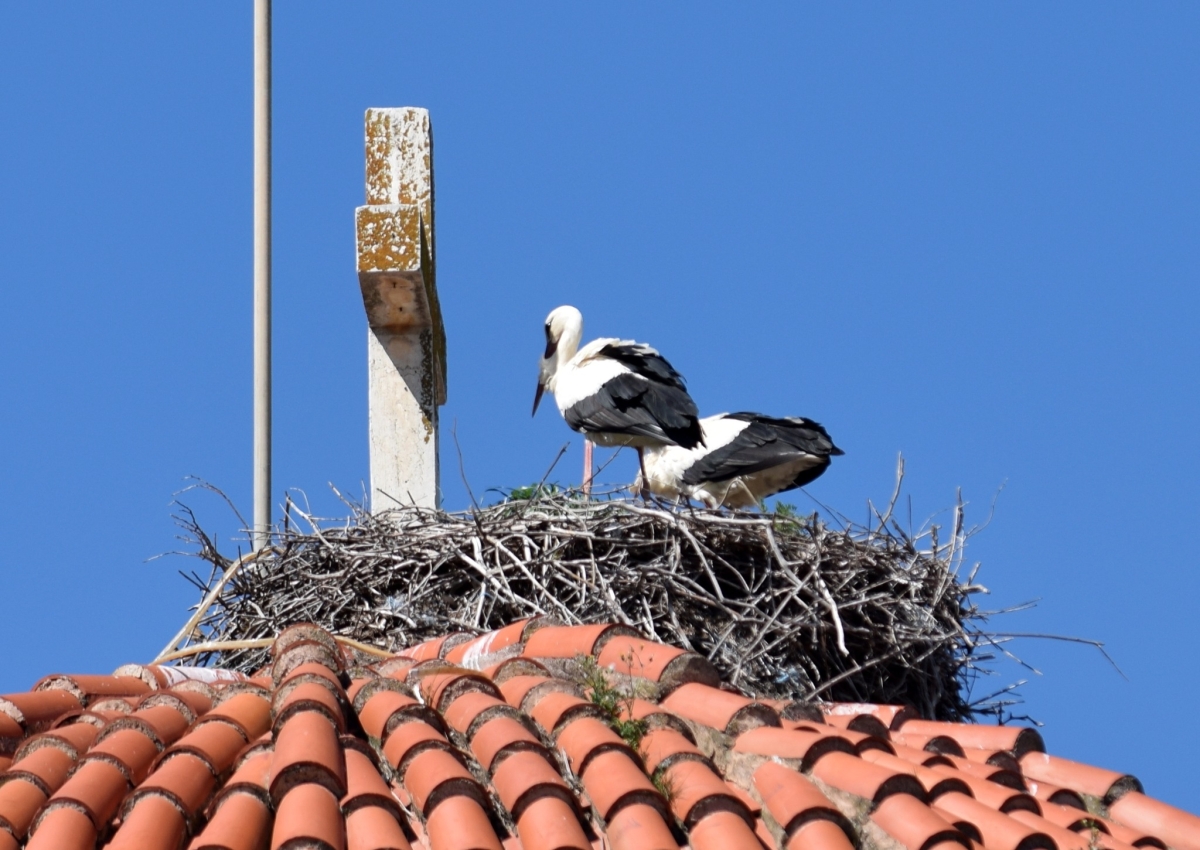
[537,399]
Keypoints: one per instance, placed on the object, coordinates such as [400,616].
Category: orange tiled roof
[466,742]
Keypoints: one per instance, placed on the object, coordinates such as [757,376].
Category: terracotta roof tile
[307,750]
[309,817]
[992,794]
[47,767]
[183,779]
[426,651]
[478,652]
[696,791]
[796,744]
[460,823]
[515,689]
[240,822]
[364,785]
[586,737]
[96,788]
[216,743]
[664,746]
[1050,793]
[498,737]
[550,823]
[791,798]
[248,711]
[310,696]
[570,641]
[461,713]
[1107,842]
[724,710]
[191,704]
[374,828]
[1081,777]
[914,824]
[640,827]
[163,724]
[935,784]
[252,776]
[87,688]
[557,708]
[435,774]
[511,754]
[931,743]
[613,780]
[1064,838]
[723,830]
[1017,740]
[1129,835]
[74,739]
[865,779]
[36,711]
[819,835]
[1178,828]
[505,670]
[668,666]
[526,775]
[983,770]
[383,712]
[890,715]
[20,800]
[64,828]
[865,724]
[304,652]
[861,741]
[994,830]
[153,823]
[1070,818]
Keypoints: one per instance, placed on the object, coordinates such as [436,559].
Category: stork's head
[564,329]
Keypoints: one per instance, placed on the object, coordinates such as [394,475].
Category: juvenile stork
[613,391]
[747,457]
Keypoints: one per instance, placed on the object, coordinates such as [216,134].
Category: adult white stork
[747,458]
[613,391]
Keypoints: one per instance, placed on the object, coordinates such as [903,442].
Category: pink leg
[587,467]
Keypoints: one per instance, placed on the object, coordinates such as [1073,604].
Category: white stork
[613,391]
[747,457]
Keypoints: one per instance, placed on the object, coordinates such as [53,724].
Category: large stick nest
[785,606]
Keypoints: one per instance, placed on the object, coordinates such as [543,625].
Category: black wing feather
[645,361]
[765,442]
[633,405]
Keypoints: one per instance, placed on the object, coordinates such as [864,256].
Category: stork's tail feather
[690,436]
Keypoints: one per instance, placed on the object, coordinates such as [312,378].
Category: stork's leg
[645,478]
[587,467]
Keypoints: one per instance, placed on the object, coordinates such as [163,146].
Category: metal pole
[262,272]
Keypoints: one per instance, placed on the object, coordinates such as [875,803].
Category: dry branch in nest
[785,606]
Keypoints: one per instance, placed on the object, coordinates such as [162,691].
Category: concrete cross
[406,342]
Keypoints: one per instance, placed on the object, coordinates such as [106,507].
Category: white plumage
[746,457]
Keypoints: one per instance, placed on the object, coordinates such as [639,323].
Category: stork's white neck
[570,333]
[568,343]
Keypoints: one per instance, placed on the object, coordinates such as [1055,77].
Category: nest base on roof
[785,606]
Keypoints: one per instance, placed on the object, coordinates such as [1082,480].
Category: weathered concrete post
[406,342]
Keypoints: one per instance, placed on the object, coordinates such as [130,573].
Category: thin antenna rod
[262,273]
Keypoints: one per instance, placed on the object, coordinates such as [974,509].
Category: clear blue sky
[964,232]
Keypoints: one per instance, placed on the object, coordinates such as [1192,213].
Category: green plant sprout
[616,706]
